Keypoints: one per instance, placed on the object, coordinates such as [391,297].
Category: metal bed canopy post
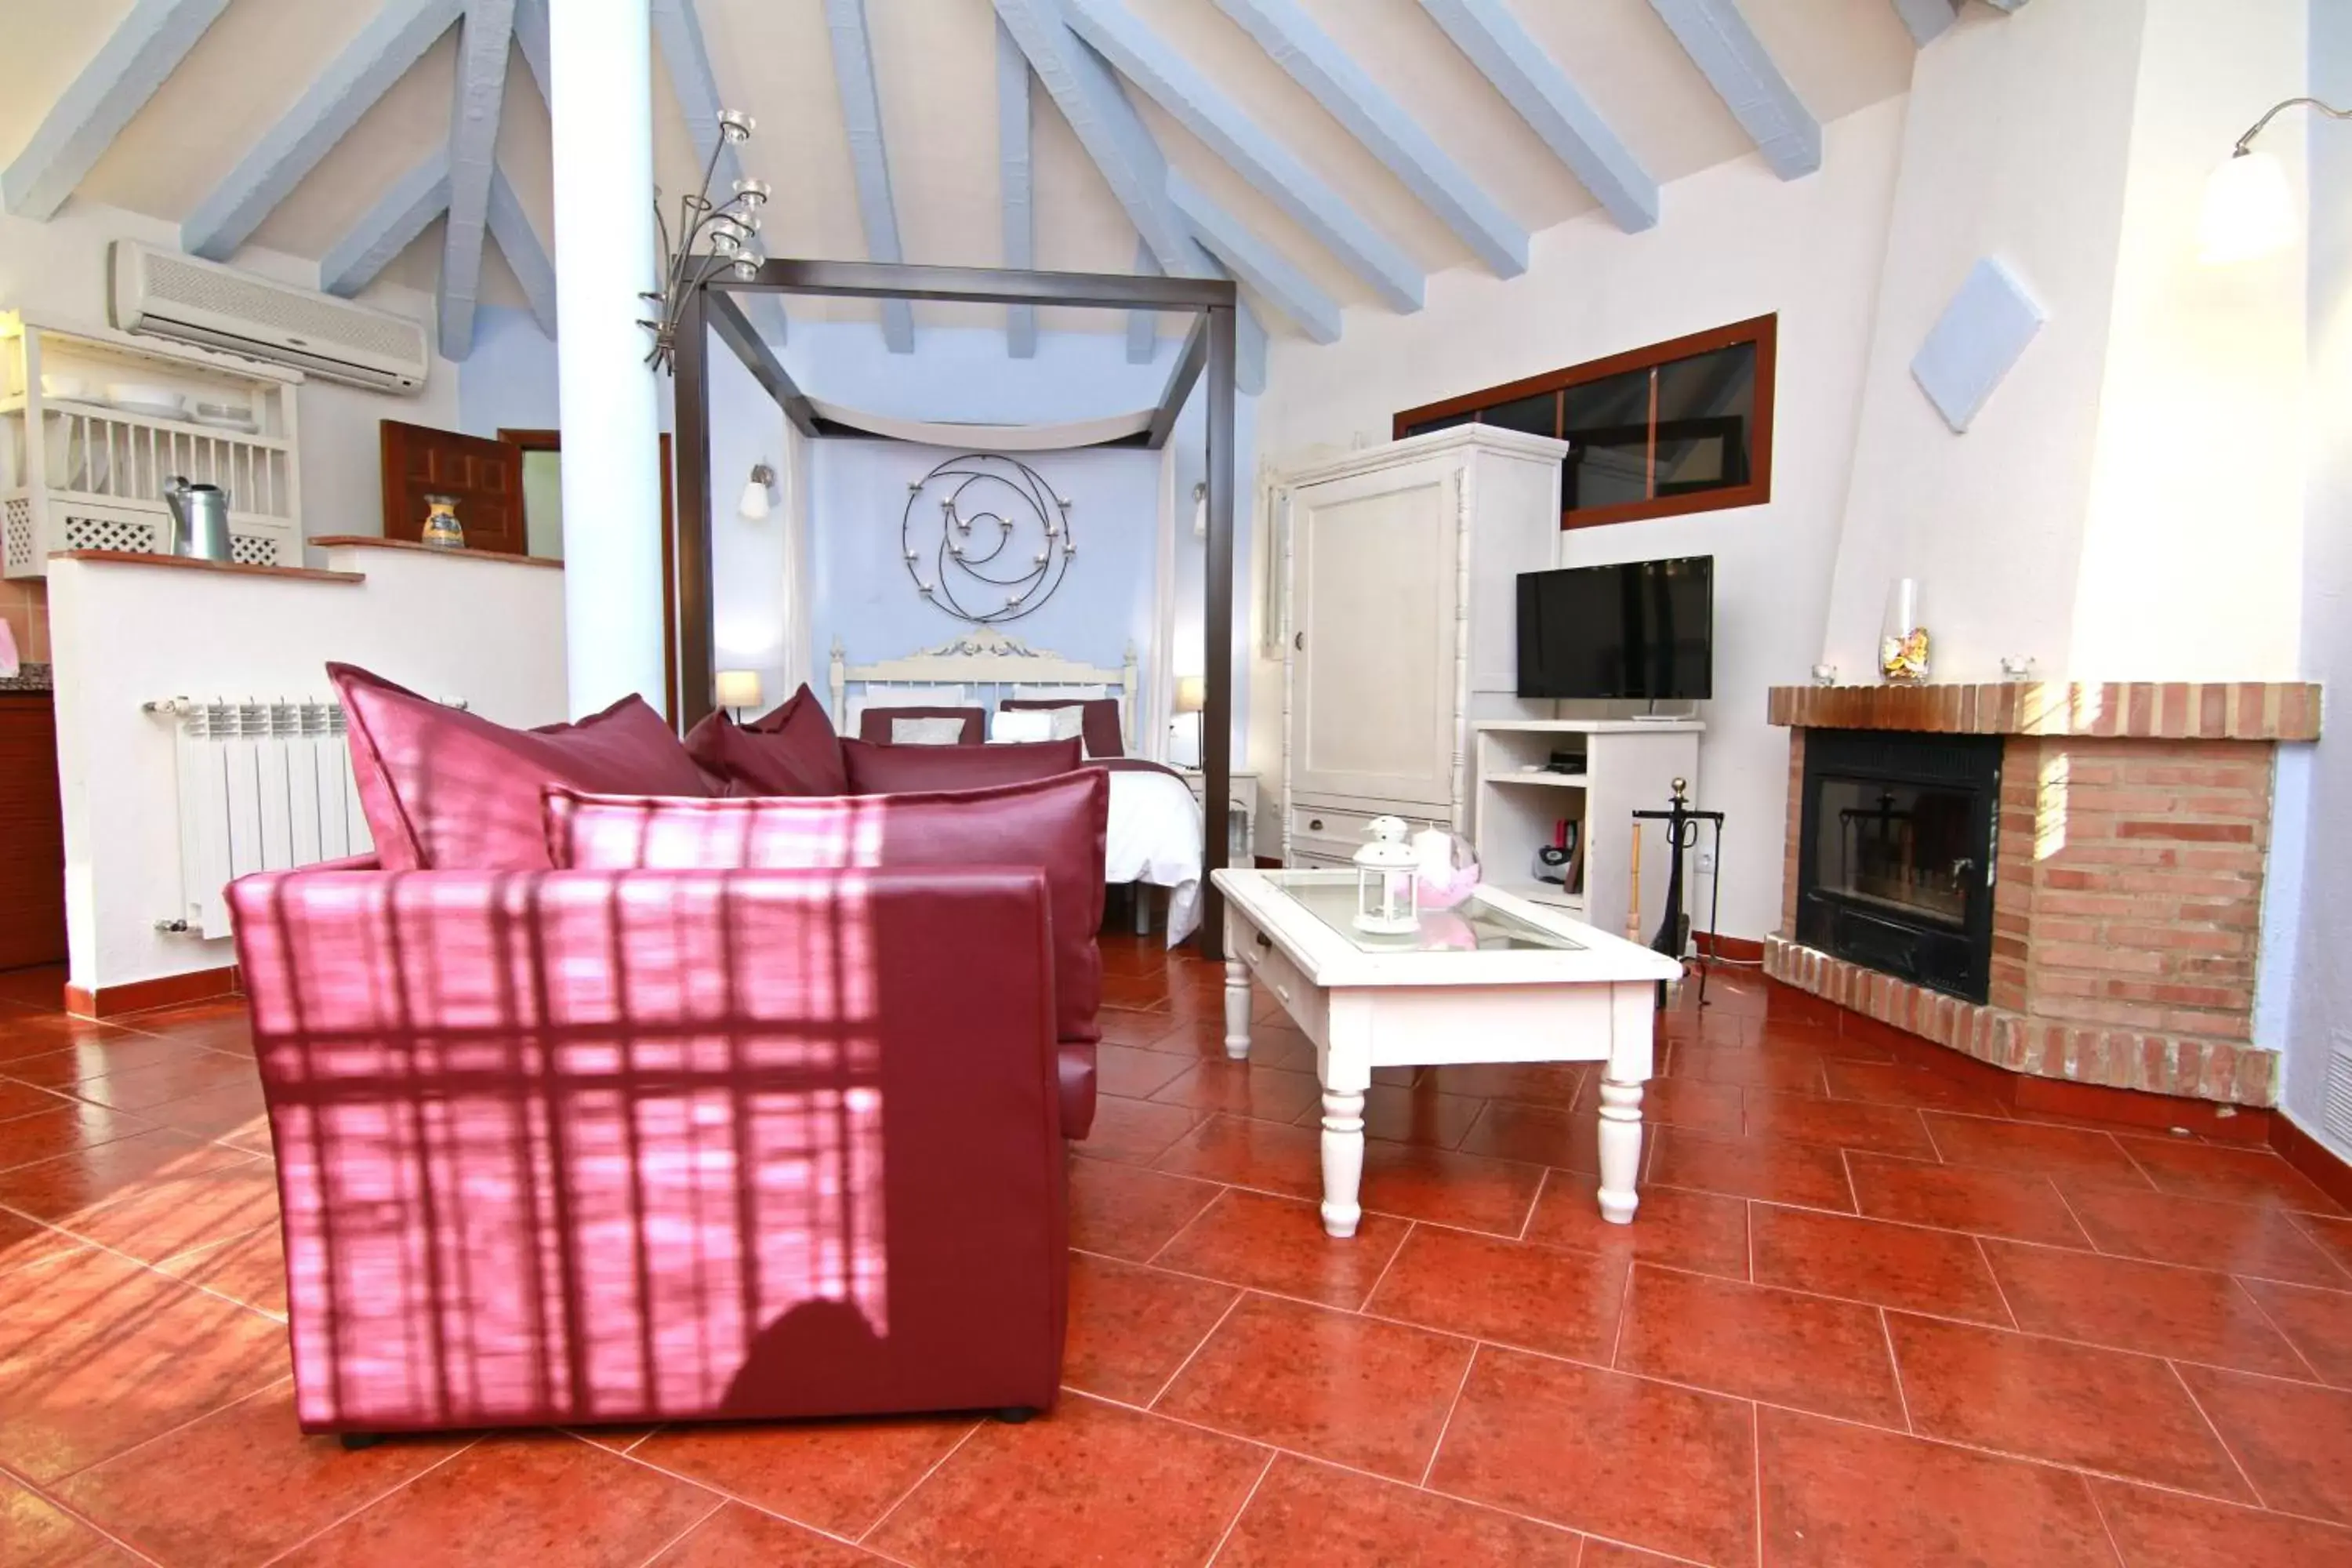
[1209,350]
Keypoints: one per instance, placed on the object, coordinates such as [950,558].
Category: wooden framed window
[1679,427]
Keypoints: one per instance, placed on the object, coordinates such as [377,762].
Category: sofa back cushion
[904,769]
[444,789]
[740,761]
[1099,720]
[1056,824]
[805,744]
[877,725]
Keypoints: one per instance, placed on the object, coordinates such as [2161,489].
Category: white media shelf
[1629,765]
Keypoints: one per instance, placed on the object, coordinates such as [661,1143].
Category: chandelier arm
[2246,143]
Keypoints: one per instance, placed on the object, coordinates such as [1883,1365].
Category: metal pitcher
[199,519]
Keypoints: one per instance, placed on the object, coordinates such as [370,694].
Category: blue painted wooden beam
[1254,153]
[1734,61]
[530,39]
[143,49]
[400,32]
[1256,263]
[1084,89]
[678,32]
[1293,41]
[1016,172]
[869,157]
[526,256]
[1143,326]
[482,46]
[389,228]
[1542,95]
[1927,19]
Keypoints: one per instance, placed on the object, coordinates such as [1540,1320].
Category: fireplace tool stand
[1682,833]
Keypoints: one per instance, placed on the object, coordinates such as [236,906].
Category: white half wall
[1737,241]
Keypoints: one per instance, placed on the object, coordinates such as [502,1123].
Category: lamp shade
[738,688]
[754,504]
[2248,210]
[1191,693]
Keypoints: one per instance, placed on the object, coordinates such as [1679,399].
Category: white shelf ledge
[1542,776]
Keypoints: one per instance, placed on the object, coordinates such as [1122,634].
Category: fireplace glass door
[1903,848]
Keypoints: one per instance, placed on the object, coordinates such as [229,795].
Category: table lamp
[738,690]
[1191,695]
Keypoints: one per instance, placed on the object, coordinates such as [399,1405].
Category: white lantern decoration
[1388,889]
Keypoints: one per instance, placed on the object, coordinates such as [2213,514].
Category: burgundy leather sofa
[581,1147]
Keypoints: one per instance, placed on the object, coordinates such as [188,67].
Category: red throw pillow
[811,747]
[744,761]
[874,723]
[444,789]
[902,770]
[1057,823]
[1098,715]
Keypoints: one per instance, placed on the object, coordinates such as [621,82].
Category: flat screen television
[1644,630]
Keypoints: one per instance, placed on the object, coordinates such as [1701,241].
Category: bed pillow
[1098,720]
[900,770]
[811,748]
[444,789]
[876,723]
[926,731]
[1057,823]
[739,761]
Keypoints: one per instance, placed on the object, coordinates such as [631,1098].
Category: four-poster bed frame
[1209,350]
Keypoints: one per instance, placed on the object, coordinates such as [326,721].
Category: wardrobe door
[1374,583]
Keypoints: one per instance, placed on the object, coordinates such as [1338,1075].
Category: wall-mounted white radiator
[263,787]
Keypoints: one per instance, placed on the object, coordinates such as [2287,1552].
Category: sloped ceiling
[934,63]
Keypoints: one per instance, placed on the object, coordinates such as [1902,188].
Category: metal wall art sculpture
[1003,541]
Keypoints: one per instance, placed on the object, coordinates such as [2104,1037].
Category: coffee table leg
[1237,1009]
[1621,1149]
[1343,1160]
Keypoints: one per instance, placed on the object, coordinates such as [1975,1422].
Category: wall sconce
[2249,210]
[1201,511]
[754,505]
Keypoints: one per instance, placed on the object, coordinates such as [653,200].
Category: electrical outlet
[1706,862]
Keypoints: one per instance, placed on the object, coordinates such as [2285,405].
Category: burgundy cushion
[903,770]
[447,790]
[744,761]
[1057,823]
[1099,716]
[812,749]
[873,724]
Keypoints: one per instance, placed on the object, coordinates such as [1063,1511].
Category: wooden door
[484,477]
[32,835]
[1374,602]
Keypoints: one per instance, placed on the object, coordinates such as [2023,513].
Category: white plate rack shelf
[79,472]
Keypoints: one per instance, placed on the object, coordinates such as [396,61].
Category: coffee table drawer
[1271,967]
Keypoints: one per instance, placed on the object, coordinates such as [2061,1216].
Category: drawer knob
[1315,825]
[1263,939]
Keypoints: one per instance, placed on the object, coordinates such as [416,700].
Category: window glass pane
[1608,423]
[1442,422]
[1706,408]
[1535,414]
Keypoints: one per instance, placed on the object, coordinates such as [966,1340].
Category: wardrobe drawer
[1349,827]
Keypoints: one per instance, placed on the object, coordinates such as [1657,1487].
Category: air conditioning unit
[164,294]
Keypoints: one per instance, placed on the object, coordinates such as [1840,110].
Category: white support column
[600,60]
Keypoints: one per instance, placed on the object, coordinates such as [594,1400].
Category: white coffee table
[1496,980]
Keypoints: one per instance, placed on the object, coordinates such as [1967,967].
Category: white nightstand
[1241,802]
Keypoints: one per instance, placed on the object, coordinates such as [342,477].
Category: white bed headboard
[998,664]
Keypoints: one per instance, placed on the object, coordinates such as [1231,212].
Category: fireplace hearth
[1896,862]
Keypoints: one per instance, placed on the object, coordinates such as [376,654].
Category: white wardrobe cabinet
[1401,567]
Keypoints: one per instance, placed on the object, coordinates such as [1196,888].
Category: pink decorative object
[1448,868]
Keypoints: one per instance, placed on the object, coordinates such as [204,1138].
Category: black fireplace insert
[1895,867]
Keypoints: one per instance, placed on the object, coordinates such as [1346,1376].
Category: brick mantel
[2165,711]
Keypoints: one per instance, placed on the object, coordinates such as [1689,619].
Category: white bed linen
[1154,835]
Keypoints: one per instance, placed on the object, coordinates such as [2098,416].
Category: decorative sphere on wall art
[985,537]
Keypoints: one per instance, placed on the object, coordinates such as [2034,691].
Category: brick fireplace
[2129,843]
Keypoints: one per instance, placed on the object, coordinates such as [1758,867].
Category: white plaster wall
[1736,242]
[2192,540]
[2016,147]
[58,268]
[479,629]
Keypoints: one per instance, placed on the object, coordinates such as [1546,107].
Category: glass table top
[1474,925]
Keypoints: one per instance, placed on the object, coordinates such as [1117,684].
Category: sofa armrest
[572,1146]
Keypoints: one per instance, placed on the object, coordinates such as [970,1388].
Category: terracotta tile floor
[1864,1317]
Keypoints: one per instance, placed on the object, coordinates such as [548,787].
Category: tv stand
[1630,764]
